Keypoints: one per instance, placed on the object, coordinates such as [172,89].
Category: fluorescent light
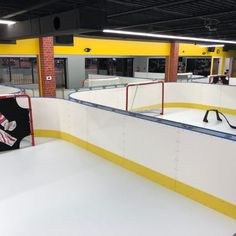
[7,22]
[168,36]
[211,45]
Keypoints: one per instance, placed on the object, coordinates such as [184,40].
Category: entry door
[234,68]
[60,72]
[215,69]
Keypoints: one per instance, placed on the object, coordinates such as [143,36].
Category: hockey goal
[145,94]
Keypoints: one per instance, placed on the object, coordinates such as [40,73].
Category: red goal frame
[142,84]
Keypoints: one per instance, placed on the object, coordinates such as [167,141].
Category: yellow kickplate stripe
[170,183]
[187,105]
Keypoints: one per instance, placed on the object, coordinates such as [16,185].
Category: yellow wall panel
[22,47]
[114,47]
[187,49]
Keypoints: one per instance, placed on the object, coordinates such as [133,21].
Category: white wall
[8,90]
[161,76]
[201,161]
[205,94]
[103,80]
[116,97]
[149,75]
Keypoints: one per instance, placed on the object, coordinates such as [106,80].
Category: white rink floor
[195,117]
[58,189]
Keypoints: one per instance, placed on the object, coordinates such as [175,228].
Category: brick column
[46,61]
[172,63]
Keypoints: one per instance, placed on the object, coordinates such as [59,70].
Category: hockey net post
[143,84]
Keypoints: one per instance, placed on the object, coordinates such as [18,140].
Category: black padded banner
[14,124]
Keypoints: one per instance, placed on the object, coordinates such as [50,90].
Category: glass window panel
[103,66]
[4,71]
[109,66]
[199,66]
[16,75]
[25,71]
[60,72]
[91,66]
[18,70]
[156,65]
[124,67]
[35,71]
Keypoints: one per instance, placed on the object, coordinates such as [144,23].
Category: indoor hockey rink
[70,183]
[57,188]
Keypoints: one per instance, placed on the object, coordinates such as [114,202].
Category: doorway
[234,68]
[60,72]
[215,66]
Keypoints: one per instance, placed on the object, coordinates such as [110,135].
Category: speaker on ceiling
[67,40]
[226,48]
[211,49]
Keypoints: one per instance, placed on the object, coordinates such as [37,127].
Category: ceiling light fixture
[211,45]
[7,22]
[168,36]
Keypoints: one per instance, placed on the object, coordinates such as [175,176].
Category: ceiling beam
[31,8]
[157,8]
[176,29]
[142,9]
[219,34]
[226,25]
[128,4]
[221,29]
[202,17]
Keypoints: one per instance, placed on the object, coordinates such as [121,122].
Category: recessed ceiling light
[168,36]
[7,22]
